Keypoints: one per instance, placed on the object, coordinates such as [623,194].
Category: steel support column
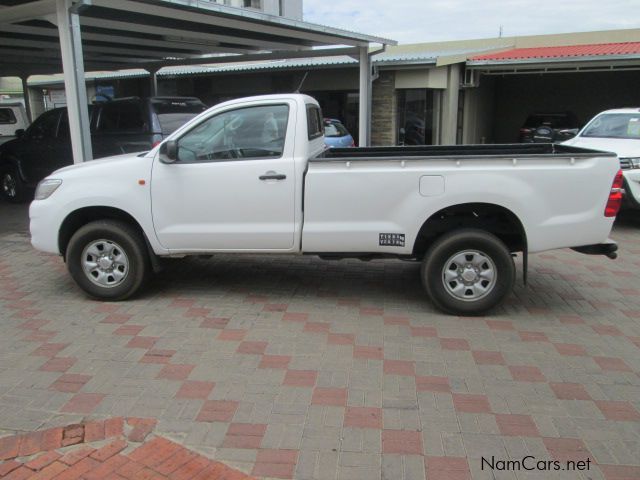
[365,98]
[450,100]
[27,98]
[153,82]
[74,80]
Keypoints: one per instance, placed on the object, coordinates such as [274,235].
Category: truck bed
[354,195]
[520,150]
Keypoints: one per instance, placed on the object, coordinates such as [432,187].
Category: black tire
[12,188]
[447,247]
[128,240]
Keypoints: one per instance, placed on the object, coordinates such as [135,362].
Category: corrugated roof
[403,55]
[568,51]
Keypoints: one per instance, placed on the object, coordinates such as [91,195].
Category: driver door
[232,186]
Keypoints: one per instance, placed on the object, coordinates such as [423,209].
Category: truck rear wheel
[108,260]
[468,272]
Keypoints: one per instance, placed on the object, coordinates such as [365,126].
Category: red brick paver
[158,458]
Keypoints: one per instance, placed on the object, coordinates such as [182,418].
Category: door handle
[272,176]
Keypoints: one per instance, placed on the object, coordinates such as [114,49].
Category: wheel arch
[10,161]
[493,218]
[82,216]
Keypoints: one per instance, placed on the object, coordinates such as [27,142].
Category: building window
[415,117]
[253,4]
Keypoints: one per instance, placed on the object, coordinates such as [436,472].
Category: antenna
[304,78]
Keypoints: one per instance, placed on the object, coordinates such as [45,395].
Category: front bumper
[631,197]
[608,249]
[44,225]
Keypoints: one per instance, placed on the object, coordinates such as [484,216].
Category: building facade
[282,8]
[478,91]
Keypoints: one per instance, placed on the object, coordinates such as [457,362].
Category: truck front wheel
[108,259]
[12,188]
[468,272]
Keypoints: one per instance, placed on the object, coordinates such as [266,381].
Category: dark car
[549,127]
[119,126]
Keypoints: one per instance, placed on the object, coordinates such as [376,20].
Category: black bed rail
[499,150]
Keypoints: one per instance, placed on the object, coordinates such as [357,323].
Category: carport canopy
[69,36]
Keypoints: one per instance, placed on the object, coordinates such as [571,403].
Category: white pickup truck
[253,175]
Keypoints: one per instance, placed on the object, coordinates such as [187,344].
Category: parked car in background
[617,131]
[13,118]
[549,127]
[336,135]
[119,126]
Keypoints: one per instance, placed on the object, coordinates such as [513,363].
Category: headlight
[46,188]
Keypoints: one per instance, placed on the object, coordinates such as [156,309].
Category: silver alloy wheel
[105,263]
[469,275]
[9,186]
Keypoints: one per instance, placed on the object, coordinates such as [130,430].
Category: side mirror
[20,133]
[169,152]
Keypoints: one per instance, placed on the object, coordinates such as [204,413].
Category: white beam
[25,94]
[128,52]
[74,81]
[187,35]
[122,38]
[27,11]
[365,98]
[256,57]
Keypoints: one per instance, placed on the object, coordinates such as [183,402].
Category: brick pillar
[384,110]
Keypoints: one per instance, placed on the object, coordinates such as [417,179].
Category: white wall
[290,8]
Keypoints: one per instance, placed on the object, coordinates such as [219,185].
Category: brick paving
[112,449]
[287,367]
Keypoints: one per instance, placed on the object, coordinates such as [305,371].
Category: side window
[45,126]
[314,122]
[131,117]
[108,118]
[7,116]
[121,116]
[63,129]
[246,133]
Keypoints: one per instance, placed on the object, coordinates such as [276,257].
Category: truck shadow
[290,277]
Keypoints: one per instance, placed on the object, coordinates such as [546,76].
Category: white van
[12,117]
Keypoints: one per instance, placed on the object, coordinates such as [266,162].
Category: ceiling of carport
[122,34]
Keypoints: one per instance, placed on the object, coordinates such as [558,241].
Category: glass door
[415,117]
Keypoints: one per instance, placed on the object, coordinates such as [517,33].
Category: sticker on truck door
[392,239]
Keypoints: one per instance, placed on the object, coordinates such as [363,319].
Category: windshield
[173,114]
[615,125]
[333,129]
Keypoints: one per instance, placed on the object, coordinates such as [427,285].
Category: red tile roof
[593,50]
